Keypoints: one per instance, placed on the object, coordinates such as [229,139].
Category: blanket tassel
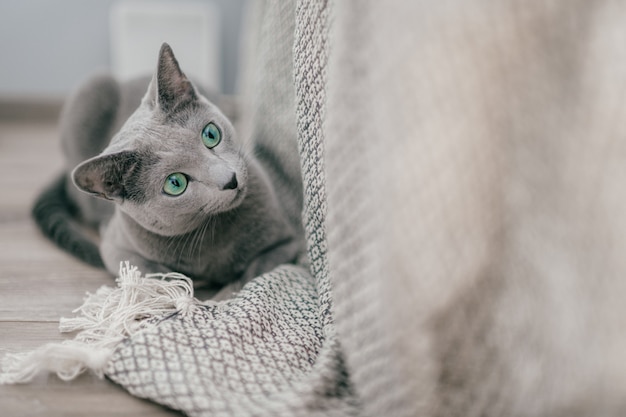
[105,319]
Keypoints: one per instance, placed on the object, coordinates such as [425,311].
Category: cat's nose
[232,184]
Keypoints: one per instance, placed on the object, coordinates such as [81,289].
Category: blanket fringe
[105,319]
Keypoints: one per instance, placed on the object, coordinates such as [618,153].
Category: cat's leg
[114,255]
[284,252]
[117,247]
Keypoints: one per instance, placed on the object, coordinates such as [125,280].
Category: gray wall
[47,46]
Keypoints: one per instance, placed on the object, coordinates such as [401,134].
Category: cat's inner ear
[170,88]
[107,176]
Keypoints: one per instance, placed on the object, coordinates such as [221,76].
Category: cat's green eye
[211,136]
[175,184]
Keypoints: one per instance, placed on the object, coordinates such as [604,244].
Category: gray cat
[174,191]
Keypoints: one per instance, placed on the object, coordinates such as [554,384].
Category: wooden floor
[39,284]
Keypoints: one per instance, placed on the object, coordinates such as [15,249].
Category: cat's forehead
[151,128]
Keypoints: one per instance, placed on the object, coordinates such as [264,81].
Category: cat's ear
[170,88]
[107,176]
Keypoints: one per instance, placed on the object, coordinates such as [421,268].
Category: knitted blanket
[270,350]
[461,168]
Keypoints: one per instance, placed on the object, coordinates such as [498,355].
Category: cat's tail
[56,216]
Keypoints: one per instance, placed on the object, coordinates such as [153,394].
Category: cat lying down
[172,190]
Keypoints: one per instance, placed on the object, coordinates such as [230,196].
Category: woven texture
[475,178]
[463,205]
[241,357]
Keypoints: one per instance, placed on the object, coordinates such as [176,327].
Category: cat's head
[174,163]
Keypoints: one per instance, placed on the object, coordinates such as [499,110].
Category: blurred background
[47,46]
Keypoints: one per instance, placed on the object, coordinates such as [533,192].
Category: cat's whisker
[212,227]
[205,226]
[196,240]
[175,245]
[252,153]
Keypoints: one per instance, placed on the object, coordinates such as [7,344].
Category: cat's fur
[227,224]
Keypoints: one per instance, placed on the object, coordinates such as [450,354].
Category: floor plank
[85,396]
[30,262]
[39,284]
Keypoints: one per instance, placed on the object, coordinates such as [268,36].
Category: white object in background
[192,29]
